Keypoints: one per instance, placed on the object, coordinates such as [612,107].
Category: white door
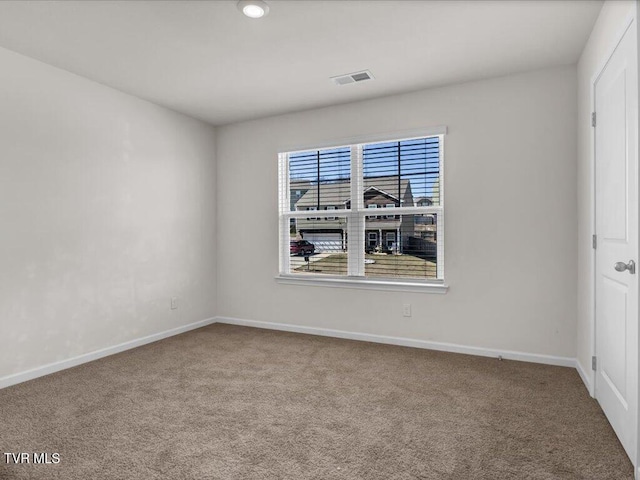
[616,205]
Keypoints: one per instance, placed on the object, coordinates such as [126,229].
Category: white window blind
[352,182]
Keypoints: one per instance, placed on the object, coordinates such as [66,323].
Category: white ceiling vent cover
[352,77]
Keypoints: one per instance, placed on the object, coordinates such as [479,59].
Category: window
[312,209]
[372,217]
[351,181]
[330,207]
[390,205]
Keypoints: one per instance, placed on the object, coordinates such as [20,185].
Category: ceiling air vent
[352,77]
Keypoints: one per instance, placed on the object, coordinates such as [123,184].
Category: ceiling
[207,60]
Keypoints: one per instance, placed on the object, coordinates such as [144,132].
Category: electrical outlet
[406,310]
[174,303]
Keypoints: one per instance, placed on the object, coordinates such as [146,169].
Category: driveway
[298,261]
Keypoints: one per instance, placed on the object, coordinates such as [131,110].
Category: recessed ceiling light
[253,8]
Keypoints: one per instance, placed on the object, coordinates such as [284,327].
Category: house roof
[338,193]
[297,184]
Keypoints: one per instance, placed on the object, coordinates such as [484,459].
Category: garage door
[325,242]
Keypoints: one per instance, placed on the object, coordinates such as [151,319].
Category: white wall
[606,32]
[510,216]
[107,208]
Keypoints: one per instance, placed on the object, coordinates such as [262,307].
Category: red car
[301,247]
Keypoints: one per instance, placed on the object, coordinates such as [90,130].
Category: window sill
[365,284]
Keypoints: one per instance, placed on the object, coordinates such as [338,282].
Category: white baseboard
[586,377]
[407,342]
[367,337]
[105,352]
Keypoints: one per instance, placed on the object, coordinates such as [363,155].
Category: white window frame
[355,217]
[390,205]
[331,207]
[373,206]
[313,209]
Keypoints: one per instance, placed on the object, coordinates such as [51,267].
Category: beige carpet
[226,402]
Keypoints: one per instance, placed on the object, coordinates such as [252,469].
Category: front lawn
[393,266]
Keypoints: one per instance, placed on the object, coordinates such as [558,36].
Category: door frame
[589,377]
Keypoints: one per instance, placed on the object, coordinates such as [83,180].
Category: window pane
[401,248]
[406,173]
[320,178]
[319,246]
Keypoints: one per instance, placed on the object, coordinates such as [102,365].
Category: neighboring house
[423,202]
[297,189]
[383,230]
[425,226]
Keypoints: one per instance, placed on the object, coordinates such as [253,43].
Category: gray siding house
[384,231]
